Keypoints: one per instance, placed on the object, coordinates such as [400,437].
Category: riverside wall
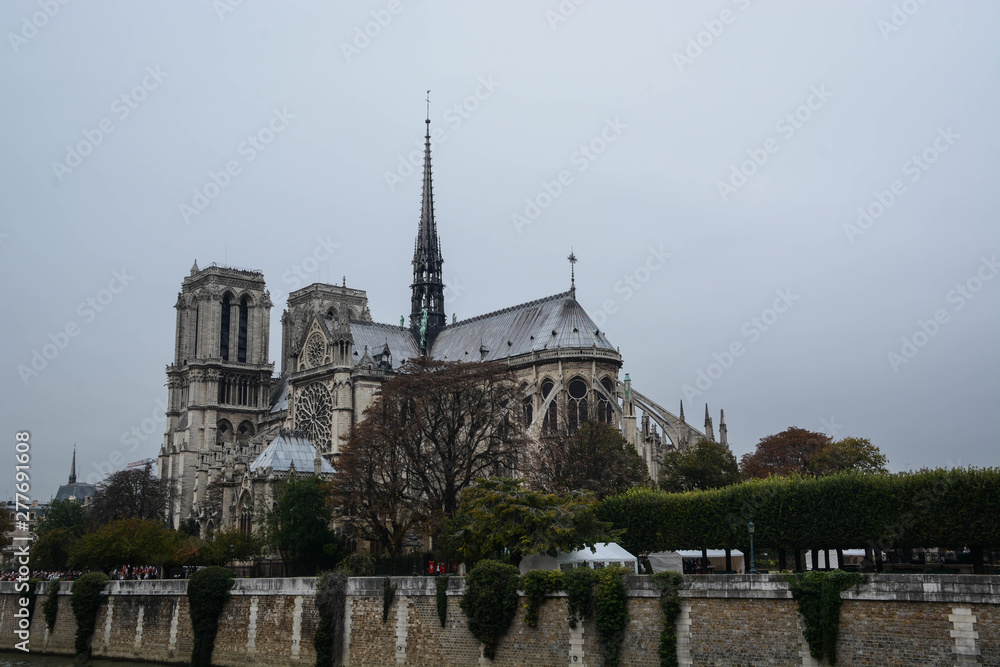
[725,620]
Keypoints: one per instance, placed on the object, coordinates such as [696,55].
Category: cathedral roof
[376,336]
[76,490]
[287,450]
[554,322]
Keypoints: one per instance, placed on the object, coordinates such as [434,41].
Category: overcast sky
[810,185]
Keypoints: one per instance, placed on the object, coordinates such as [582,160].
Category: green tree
[783,453]
[134,493]
[298,525]
[707,465]
[596,459]
[6,526]
[128,542]
[851,453]
[498,516]
[70,515]
[52,550]
[217,551]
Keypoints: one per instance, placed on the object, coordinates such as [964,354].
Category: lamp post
[753,569]
[232,556]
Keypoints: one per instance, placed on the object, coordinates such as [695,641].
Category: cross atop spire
[572,272]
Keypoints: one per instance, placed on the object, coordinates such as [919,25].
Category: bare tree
[433,430]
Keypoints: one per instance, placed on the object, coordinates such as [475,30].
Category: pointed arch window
[224,329]
[241,349]
[605,412]
[578,404]
[551,419]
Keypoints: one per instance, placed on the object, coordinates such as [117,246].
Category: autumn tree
[441,426]
[498,518]
[783,453]
[596,459]
[858,454]
[134,493]
[707,465]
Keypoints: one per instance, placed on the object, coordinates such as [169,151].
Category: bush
[85,601]
[208,590]
[579,584]
[490,602]
[331,594]
[359,565]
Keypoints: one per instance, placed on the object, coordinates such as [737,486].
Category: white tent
[604,555]
[718,558]
[666,561]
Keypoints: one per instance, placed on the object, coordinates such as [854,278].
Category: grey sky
[666,98]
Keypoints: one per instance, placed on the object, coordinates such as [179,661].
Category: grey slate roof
[288,449]
[77,490]
[375,336]
[554,322]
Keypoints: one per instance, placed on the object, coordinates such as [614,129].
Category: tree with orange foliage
[784,453]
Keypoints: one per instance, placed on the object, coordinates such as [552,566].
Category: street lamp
[753,569]
[232,556]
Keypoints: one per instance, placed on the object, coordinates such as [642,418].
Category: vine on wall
[442,599]
[207,592]
[51,607]
[331,596]
[818,593]
[85,601]
[490,602]
[536,585]
[670,605]
[611,611]
[388,595]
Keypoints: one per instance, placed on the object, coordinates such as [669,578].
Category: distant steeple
[428,284]
[572,273]
[682,410]
[723,433]
[72,469]
[194,268]
[709,431]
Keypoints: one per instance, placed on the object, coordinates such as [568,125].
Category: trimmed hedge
[944,508]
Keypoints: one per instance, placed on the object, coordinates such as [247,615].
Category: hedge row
[944,508]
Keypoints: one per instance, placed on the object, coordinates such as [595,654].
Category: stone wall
[725,620]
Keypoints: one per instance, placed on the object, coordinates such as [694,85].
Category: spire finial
[428,121]
[682,409]
[72,470]
[571,258]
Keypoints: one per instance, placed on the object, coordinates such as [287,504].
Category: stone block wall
[724,620]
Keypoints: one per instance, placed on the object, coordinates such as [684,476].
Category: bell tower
[218,386]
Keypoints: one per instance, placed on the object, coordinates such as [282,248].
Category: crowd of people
[124,572]
[65,575]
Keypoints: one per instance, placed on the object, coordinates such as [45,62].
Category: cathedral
[234,427]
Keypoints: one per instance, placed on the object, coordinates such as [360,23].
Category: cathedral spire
[72,469]
[709,431]
[428,285]
[682,410]
[723,431]
[572,273]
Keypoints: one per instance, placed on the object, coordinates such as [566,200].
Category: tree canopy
[129,542]
[707,465]
[858,454]
[596,459]
[134,493]
[432,431]
[70,515]
[498,518]
[298,525]
[783,453]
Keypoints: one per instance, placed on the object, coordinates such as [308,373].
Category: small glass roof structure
[287,450]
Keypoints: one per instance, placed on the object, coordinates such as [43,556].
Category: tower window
[224,330]
[241,354]
[578,408]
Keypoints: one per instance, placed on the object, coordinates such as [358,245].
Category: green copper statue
[423,329]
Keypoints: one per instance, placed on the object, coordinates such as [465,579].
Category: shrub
[85,601]
[490,602]
[208,590]
[331,594]
[579,585]
[359,565]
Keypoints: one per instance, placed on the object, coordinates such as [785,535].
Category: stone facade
[725,621]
